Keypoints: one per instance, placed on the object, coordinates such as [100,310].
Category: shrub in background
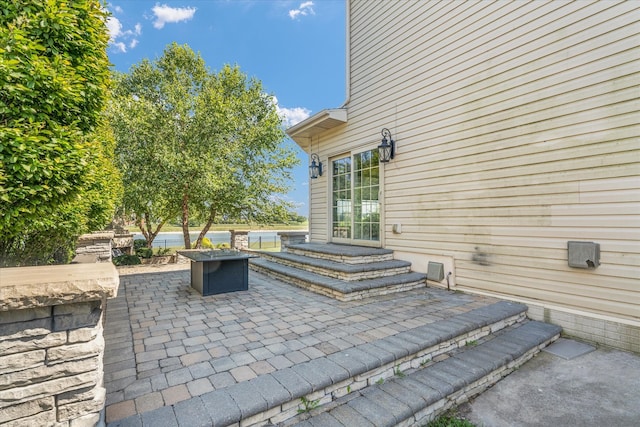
[57,175]
[126,260]
[206,243]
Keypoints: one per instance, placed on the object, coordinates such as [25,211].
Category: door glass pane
[341,198]
[367,205]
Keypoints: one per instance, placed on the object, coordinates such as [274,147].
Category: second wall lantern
[315,168]
[386,149]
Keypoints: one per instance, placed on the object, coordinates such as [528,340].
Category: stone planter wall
[52,344]
[159,259]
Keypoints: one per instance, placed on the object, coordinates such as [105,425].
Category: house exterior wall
[517,131]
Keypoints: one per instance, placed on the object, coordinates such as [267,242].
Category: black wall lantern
[315,168]
[386,150]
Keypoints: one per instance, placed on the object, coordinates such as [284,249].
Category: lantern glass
[315,168]
[384,151]
[387,147]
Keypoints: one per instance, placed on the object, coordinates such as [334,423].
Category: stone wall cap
[292,233]
[99,235]
[43,286]
[239,231]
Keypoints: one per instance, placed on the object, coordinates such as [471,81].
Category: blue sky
[296,48]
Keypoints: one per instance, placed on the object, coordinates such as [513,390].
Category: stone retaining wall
[52,344]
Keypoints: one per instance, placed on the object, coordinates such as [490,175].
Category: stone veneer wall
[94,247]
[239,239]
[52,344]
[291,238]
[124,242]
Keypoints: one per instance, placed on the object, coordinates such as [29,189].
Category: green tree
[57,178]
[198,145]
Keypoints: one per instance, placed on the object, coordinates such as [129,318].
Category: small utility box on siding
[583,254]
[435,271]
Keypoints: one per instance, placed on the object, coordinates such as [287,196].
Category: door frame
[352,241]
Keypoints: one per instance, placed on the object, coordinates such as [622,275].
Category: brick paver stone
[175,394]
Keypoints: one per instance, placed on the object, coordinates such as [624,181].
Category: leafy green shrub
[141,249]
[126,260]
[57,176]
[206,243]
[139,243]
[223,246]
[163,251]
[144,252]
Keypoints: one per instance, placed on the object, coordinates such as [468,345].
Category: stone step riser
[349,277]
[345,259]
[458,379]
[332,293]
[423,358]
[472,390]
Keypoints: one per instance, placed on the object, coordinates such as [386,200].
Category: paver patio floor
[165,343]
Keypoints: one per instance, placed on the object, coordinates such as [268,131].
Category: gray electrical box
[435,271]
[583,254]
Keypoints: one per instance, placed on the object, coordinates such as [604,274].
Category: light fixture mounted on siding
[315,168]
[386,150]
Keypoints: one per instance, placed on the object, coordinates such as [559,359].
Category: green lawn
[243,227]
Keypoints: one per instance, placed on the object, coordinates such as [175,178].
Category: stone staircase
[342,272]
[404,379]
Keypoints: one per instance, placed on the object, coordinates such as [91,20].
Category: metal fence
[264,242]
[256,240]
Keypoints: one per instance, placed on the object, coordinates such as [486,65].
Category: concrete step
[345,254]
[278,397]
[336,288]
[418,396]
[339,270]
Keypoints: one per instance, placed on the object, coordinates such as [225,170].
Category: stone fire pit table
[218,271]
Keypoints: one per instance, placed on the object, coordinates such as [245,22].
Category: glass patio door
[355,199]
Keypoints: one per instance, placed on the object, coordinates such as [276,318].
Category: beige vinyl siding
[330,145]
[518,130]
[319,212]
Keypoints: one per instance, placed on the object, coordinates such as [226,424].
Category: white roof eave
[320,122]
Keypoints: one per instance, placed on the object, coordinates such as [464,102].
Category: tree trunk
[147,228]
[149,235]
[143,230]
[205,229]
[185,221]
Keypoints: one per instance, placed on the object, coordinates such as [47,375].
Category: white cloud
[305,8]
[115,28]
[166,14]
[292,116]
[119,38]
[117,9]
[119,46]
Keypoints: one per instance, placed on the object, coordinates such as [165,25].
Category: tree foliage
[197,144]
[57,178]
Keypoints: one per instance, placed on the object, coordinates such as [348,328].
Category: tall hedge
[56,157]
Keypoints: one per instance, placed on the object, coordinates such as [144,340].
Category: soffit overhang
[303,132]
